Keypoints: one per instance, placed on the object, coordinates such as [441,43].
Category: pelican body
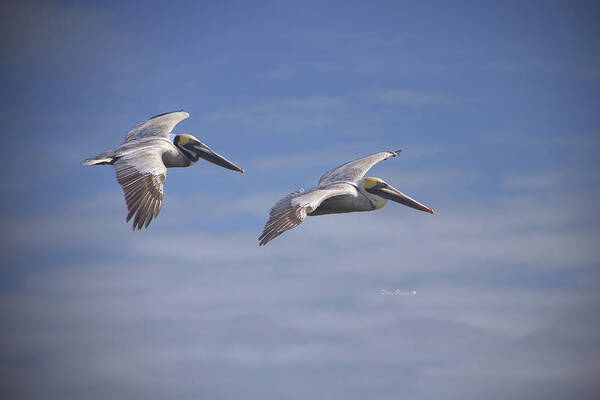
[341,190]
[141,163]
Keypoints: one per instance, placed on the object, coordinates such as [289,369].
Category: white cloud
[277,110]
[416,97]
[552,179]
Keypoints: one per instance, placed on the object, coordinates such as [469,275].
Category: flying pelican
[141,163]
[341,190]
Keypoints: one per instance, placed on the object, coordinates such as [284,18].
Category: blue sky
[495,105]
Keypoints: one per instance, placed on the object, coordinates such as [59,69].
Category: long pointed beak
[209,155]
[393,194]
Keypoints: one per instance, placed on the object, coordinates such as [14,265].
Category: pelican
[341,190]
[141,163]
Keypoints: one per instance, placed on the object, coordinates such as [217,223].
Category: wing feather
[353,171]
[159,125]
[290,211]
[142,176]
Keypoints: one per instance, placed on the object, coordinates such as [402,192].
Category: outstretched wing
[355,170]
[159,125]
[290,211]
[142,176]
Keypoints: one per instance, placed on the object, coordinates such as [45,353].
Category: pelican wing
[142,176]
[159,125]
[355,170]
[290,211]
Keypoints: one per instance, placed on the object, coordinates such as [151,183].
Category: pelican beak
[390,193]
[209,155]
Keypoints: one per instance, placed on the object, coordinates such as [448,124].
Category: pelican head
[379,192]
[194,149]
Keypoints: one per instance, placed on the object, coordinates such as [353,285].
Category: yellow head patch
[371,182]
[185,139]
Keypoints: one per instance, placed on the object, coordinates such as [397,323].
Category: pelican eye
[374,188]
